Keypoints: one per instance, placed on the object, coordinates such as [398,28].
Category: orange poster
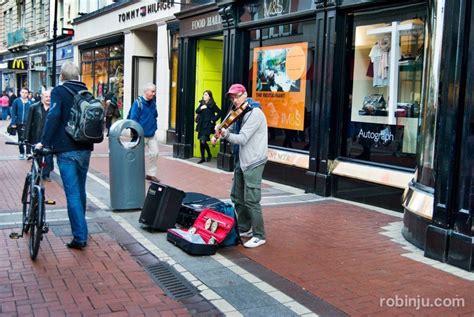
[279,76]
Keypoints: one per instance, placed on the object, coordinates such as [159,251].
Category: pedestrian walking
[144,112]
[34,128]
[250,139]
[4,105]
[11,99]
[20,108]
[72,157]
[112,112]
[207,113]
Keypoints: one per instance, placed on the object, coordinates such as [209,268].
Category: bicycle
[33,201]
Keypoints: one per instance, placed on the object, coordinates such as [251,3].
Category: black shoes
[76,245]
[202,160]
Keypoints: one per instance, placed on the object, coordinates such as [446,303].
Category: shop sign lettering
[144,10]
[18,64]
[273,8]
[293,159]
[384,135]
[206,22]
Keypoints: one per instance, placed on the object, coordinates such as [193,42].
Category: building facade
[24,32]
[339,81]
[133,49]
[365,100]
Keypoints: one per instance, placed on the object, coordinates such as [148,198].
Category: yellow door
[209,59]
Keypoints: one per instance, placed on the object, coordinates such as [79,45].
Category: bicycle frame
[33,200]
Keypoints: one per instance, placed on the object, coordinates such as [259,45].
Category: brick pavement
[101,280]
[335,251]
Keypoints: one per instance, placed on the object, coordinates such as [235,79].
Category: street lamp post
[55,36]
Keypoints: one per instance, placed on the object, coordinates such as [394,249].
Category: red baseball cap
[236,89]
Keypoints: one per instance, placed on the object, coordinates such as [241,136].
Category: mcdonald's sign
[18,64]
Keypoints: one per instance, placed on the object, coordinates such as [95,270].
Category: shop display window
[87,74]
[101,78]
[116,50]
[385,91]
[86,56]
[102,71]
[281,73]
[101,53]
[116,80]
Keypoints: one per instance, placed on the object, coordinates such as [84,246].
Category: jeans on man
[4,113]
[73,167]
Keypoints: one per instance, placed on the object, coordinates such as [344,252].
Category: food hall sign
[206,22]
[144,10]
[210,22]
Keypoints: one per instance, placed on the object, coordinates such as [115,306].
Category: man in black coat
[34,127]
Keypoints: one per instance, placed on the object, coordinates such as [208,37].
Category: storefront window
[384,100]
[103,74]
[101,53]
[101,78]
[87,74]
[116,80]
[86,56]
[281,72]
[173,79]
[116,50]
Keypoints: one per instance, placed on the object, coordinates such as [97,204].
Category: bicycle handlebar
[42,151]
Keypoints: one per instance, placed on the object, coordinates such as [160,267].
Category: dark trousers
[204,147]
[49,165]
[20,130]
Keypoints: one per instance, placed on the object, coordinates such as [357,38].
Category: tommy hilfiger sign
[160,5]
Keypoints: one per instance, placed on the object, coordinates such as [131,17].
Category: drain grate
[174,285]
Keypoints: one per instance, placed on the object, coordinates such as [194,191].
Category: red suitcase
[209,229]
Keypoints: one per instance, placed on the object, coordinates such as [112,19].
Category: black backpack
[86,121]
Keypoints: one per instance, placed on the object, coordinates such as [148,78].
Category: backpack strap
[140,105]
[69,90]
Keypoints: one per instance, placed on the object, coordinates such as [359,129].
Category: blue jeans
[4,113]
[73,167]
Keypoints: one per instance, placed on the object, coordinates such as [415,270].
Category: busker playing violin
[249,135]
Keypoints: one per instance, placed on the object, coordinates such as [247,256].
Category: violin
[231,117]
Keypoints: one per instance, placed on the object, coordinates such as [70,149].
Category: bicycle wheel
[25,200]
[36,221]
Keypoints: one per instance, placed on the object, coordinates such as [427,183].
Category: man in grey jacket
[250,139]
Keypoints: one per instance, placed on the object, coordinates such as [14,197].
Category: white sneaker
[246,234]
[254,242]
[21,156]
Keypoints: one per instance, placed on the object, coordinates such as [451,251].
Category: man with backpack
[144,112]
[73,157]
